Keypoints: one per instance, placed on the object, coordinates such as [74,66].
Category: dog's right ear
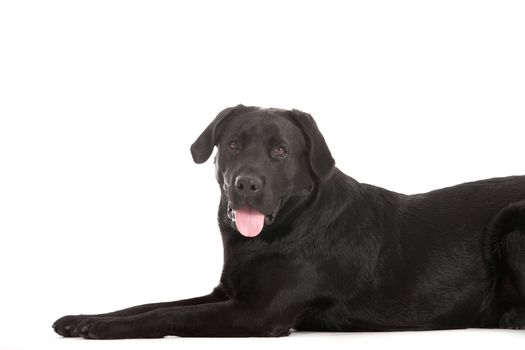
[202,148]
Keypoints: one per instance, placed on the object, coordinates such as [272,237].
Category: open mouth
[249,221]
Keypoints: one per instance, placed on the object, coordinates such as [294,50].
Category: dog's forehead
[266,123]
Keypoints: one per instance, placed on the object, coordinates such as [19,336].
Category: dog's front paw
[65,326]
[115,328]
[98,328]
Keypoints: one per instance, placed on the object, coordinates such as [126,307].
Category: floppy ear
[202,148]
[321,160]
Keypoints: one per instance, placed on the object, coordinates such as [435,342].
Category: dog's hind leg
[514,245]
[509,226]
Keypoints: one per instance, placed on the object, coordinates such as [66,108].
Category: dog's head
[265,157]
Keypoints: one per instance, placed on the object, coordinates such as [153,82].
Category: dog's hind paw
[513,319]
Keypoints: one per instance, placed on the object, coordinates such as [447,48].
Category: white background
[101,206]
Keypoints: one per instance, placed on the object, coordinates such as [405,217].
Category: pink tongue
[249,222]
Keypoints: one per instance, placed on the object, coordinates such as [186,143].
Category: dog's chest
[259,276]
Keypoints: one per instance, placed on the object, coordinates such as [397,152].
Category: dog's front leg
[67,326]
[223,319]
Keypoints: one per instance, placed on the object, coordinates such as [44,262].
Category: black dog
[309,248]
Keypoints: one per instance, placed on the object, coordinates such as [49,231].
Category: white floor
[458,339]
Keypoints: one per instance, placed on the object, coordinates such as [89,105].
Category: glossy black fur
[339,255]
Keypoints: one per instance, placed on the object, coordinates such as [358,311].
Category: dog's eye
[233,145]
[279,151]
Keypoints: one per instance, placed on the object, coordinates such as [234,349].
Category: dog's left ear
[202,148]
[321,160]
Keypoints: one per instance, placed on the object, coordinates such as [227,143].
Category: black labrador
[307,247]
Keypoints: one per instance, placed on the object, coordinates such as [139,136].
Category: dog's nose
[248,185]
